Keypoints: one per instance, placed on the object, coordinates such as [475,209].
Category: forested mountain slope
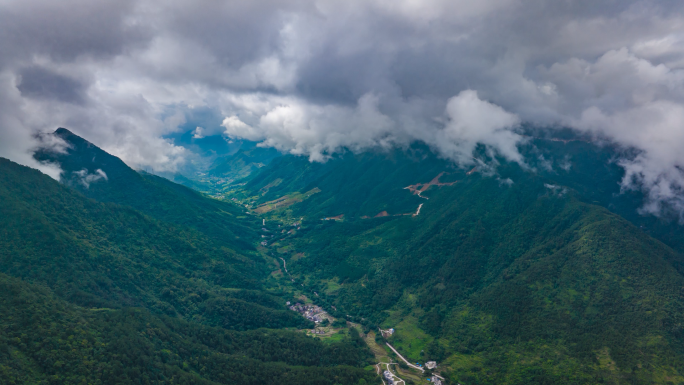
[72,269]
[353,185]
[44,339]
[107,255]
[503,278]
[245,161]
[502,273]
[366,184]
[106,178]
[593,172]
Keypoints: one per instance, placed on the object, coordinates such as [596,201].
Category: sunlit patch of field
[409,374]
[277,273]
[336,335]
[409,339]
[285,249]
[377,350]
[285,201]
[332,285]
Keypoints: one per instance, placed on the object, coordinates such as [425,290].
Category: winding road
[418,211]
[285,267]
[397,379]
[404,359]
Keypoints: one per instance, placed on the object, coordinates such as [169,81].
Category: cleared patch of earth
[335,218]
[419,188]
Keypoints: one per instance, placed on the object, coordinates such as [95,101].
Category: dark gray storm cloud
[316,77]
[37,82]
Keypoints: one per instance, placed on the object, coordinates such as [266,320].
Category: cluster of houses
[436,380]
[388,377]
[310,312]
[264,242]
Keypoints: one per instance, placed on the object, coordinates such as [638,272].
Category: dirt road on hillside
[404,359]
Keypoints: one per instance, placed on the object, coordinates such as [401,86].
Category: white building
[388,376]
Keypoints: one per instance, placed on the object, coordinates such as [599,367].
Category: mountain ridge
[150,194]
[525,274]
[492,268]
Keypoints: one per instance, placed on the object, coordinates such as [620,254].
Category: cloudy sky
[316,77]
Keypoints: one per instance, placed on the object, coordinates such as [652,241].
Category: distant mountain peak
[74,139]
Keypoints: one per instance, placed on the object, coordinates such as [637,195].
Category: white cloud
[636,104]
[298,127]
[17,142]
[235,128]
[317,77]
[656,130]
[86,179]
[473,121]
[198,133]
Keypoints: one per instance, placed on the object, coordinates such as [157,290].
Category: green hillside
[244,162]
[503,274]
[155,196]
[353,185]
[511,278]
[105,255]
[94,292]
[45,340]
[591,171]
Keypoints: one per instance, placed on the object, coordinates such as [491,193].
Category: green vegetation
[244,162]
[94,292]
[502,279]
[149,194]
[46,340]
[356,186]
[409,339]
[520,275]
[105,255]
[285,201]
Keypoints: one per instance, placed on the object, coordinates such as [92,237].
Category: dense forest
[502,273]
[510,277]
[353,185]
[96,292]
[243,163]
[106,178]
[47,340]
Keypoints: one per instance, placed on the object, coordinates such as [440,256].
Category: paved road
[288,273]
[404,359]
[397,379]
[418,211]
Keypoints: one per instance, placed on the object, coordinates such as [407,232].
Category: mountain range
[501,273]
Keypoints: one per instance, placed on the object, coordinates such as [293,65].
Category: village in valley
[390,376]
[392,367]
[316,314]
